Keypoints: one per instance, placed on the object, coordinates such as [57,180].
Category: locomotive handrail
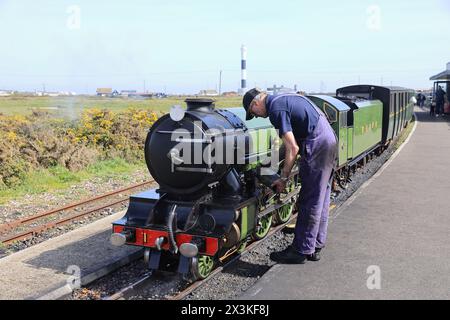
[193,169]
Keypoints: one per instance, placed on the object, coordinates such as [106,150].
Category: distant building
[229,94]
[444,75]
[442,80]
[282,89]
[208,93]
[128,93]
[54,93]
[5,93]
[67,93]
[160,95]
[104,92]
[46,94]
[145,95]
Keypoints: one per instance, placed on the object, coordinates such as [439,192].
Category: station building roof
[444,75]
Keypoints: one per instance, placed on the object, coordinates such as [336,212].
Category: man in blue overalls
[304,128]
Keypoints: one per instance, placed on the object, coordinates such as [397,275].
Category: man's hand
[279,185]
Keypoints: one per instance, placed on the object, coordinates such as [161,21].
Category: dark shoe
[314,256]
[288,256]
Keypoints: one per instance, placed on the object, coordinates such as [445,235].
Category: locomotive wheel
[283,214]
[343,179]
[263,227]
[201,266]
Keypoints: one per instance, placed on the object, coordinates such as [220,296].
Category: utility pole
[144,86]
[220,82]
[43,88]
[322,86]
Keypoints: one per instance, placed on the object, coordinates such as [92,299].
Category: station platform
[51,269]
[390,240]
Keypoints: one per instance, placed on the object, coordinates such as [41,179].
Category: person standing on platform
[422,102]
[419,98]
[304,128]
[439,101]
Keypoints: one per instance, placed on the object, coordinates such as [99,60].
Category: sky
[180,46]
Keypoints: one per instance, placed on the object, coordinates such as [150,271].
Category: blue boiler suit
[318,150]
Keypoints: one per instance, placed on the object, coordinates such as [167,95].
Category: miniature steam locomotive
[215,171]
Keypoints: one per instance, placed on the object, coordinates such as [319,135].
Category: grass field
[59,178]
[72,106]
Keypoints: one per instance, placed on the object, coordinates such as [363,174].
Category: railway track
[28,227]
[147,279]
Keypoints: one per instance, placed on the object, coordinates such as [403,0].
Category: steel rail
[50,225]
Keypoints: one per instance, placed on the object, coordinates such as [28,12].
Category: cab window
[330,112]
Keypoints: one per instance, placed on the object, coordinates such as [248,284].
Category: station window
[330,112]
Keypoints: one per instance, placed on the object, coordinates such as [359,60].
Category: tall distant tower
[243,69]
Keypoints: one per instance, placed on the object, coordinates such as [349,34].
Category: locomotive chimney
[200,104]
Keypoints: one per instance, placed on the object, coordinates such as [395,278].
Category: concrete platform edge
[64,289]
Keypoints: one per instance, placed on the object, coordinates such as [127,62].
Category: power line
[292,71]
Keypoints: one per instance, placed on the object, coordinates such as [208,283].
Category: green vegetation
[40,152]
[73,106]
[50,143]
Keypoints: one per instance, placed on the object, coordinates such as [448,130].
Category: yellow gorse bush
[30,142]
[107,129]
